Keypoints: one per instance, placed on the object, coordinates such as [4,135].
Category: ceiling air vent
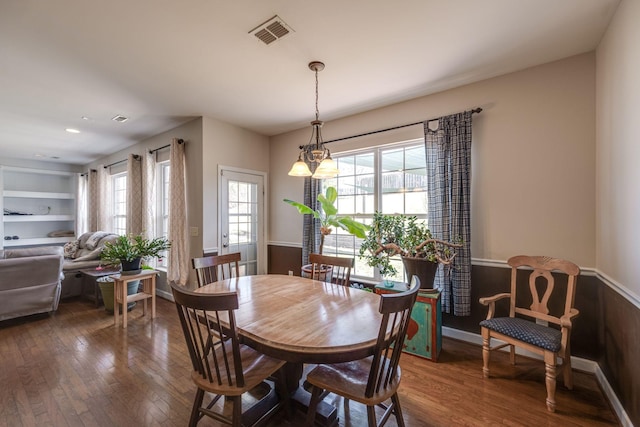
[120,119]
[271,30]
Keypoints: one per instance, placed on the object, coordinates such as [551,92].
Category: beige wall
[618,149]
[533,167]
[191,132]
[227,145]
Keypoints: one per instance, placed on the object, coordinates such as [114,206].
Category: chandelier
[319,153]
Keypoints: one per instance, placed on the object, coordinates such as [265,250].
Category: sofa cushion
[94,240]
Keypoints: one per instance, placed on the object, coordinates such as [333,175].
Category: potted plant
[329,218]
[392,235]
[128,251]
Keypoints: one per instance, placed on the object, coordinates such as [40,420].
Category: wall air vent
[120,119]
[271,30]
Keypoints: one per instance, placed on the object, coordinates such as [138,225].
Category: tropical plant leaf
[303,209]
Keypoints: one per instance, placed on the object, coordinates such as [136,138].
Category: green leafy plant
[391,235]
[329,217]
[130,247]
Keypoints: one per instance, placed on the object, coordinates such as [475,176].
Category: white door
[242,218]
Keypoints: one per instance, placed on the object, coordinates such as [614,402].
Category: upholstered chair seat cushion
[526,331]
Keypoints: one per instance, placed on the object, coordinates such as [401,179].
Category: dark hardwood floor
[75,368]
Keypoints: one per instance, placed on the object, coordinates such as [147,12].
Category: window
[389,179]
[119,197]
[162,226]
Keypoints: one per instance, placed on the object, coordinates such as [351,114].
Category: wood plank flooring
[74,368]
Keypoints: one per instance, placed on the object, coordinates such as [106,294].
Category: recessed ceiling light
[70,130]
[39,155]
[85,118]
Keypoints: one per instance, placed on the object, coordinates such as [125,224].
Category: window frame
[163,170]
[116,194]
[378,152]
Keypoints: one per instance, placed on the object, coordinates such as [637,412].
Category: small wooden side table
[424,336]
[121,299]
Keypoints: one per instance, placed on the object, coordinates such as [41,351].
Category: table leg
[153,297]
[326,414]
[115,303]
[124,303]
[145,289]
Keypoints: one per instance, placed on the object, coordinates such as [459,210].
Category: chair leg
[313,404]
[486,346]
[371,416]
[566,368]
[237,411]
[397,409]
[550,380]
[195,411]
[512,354]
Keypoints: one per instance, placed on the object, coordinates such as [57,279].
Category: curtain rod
[475,110]
[180,141]
[135,156]
[87,172]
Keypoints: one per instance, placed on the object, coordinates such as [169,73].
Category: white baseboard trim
[164,294]
[613,399]
[577,363]
[285,244]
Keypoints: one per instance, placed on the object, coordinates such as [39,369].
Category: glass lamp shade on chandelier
[319,153]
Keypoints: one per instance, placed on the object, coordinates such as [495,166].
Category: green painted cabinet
[424,335]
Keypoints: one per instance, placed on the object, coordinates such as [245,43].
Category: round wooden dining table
[302,320]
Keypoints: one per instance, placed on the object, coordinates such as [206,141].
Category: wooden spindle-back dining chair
[374,380]
[221,365]
[212,268]
[526,326]
[339,272]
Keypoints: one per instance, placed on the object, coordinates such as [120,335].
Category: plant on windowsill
[421,253]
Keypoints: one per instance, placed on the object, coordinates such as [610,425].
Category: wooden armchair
[212,268]
[339,273]
[543,333]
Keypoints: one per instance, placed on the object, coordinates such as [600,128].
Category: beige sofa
[30,280]
[82,254]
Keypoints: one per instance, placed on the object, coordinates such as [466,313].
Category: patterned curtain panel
[82,193]
[449,203]
[310,225]
[134,194]
[149,199]
[98,205]
[104,201]
[178,271]
[92,200]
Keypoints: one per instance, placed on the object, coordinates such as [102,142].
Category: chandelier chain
[317,111]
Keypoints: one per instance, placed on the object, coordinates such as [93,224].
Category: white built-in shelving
[36,202]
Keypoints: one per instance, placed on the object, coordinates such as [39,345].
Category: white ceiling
[162,62]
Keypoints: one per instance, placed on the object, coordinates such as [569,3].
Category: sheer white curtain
[135,195]
[178,271]
[82,220]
